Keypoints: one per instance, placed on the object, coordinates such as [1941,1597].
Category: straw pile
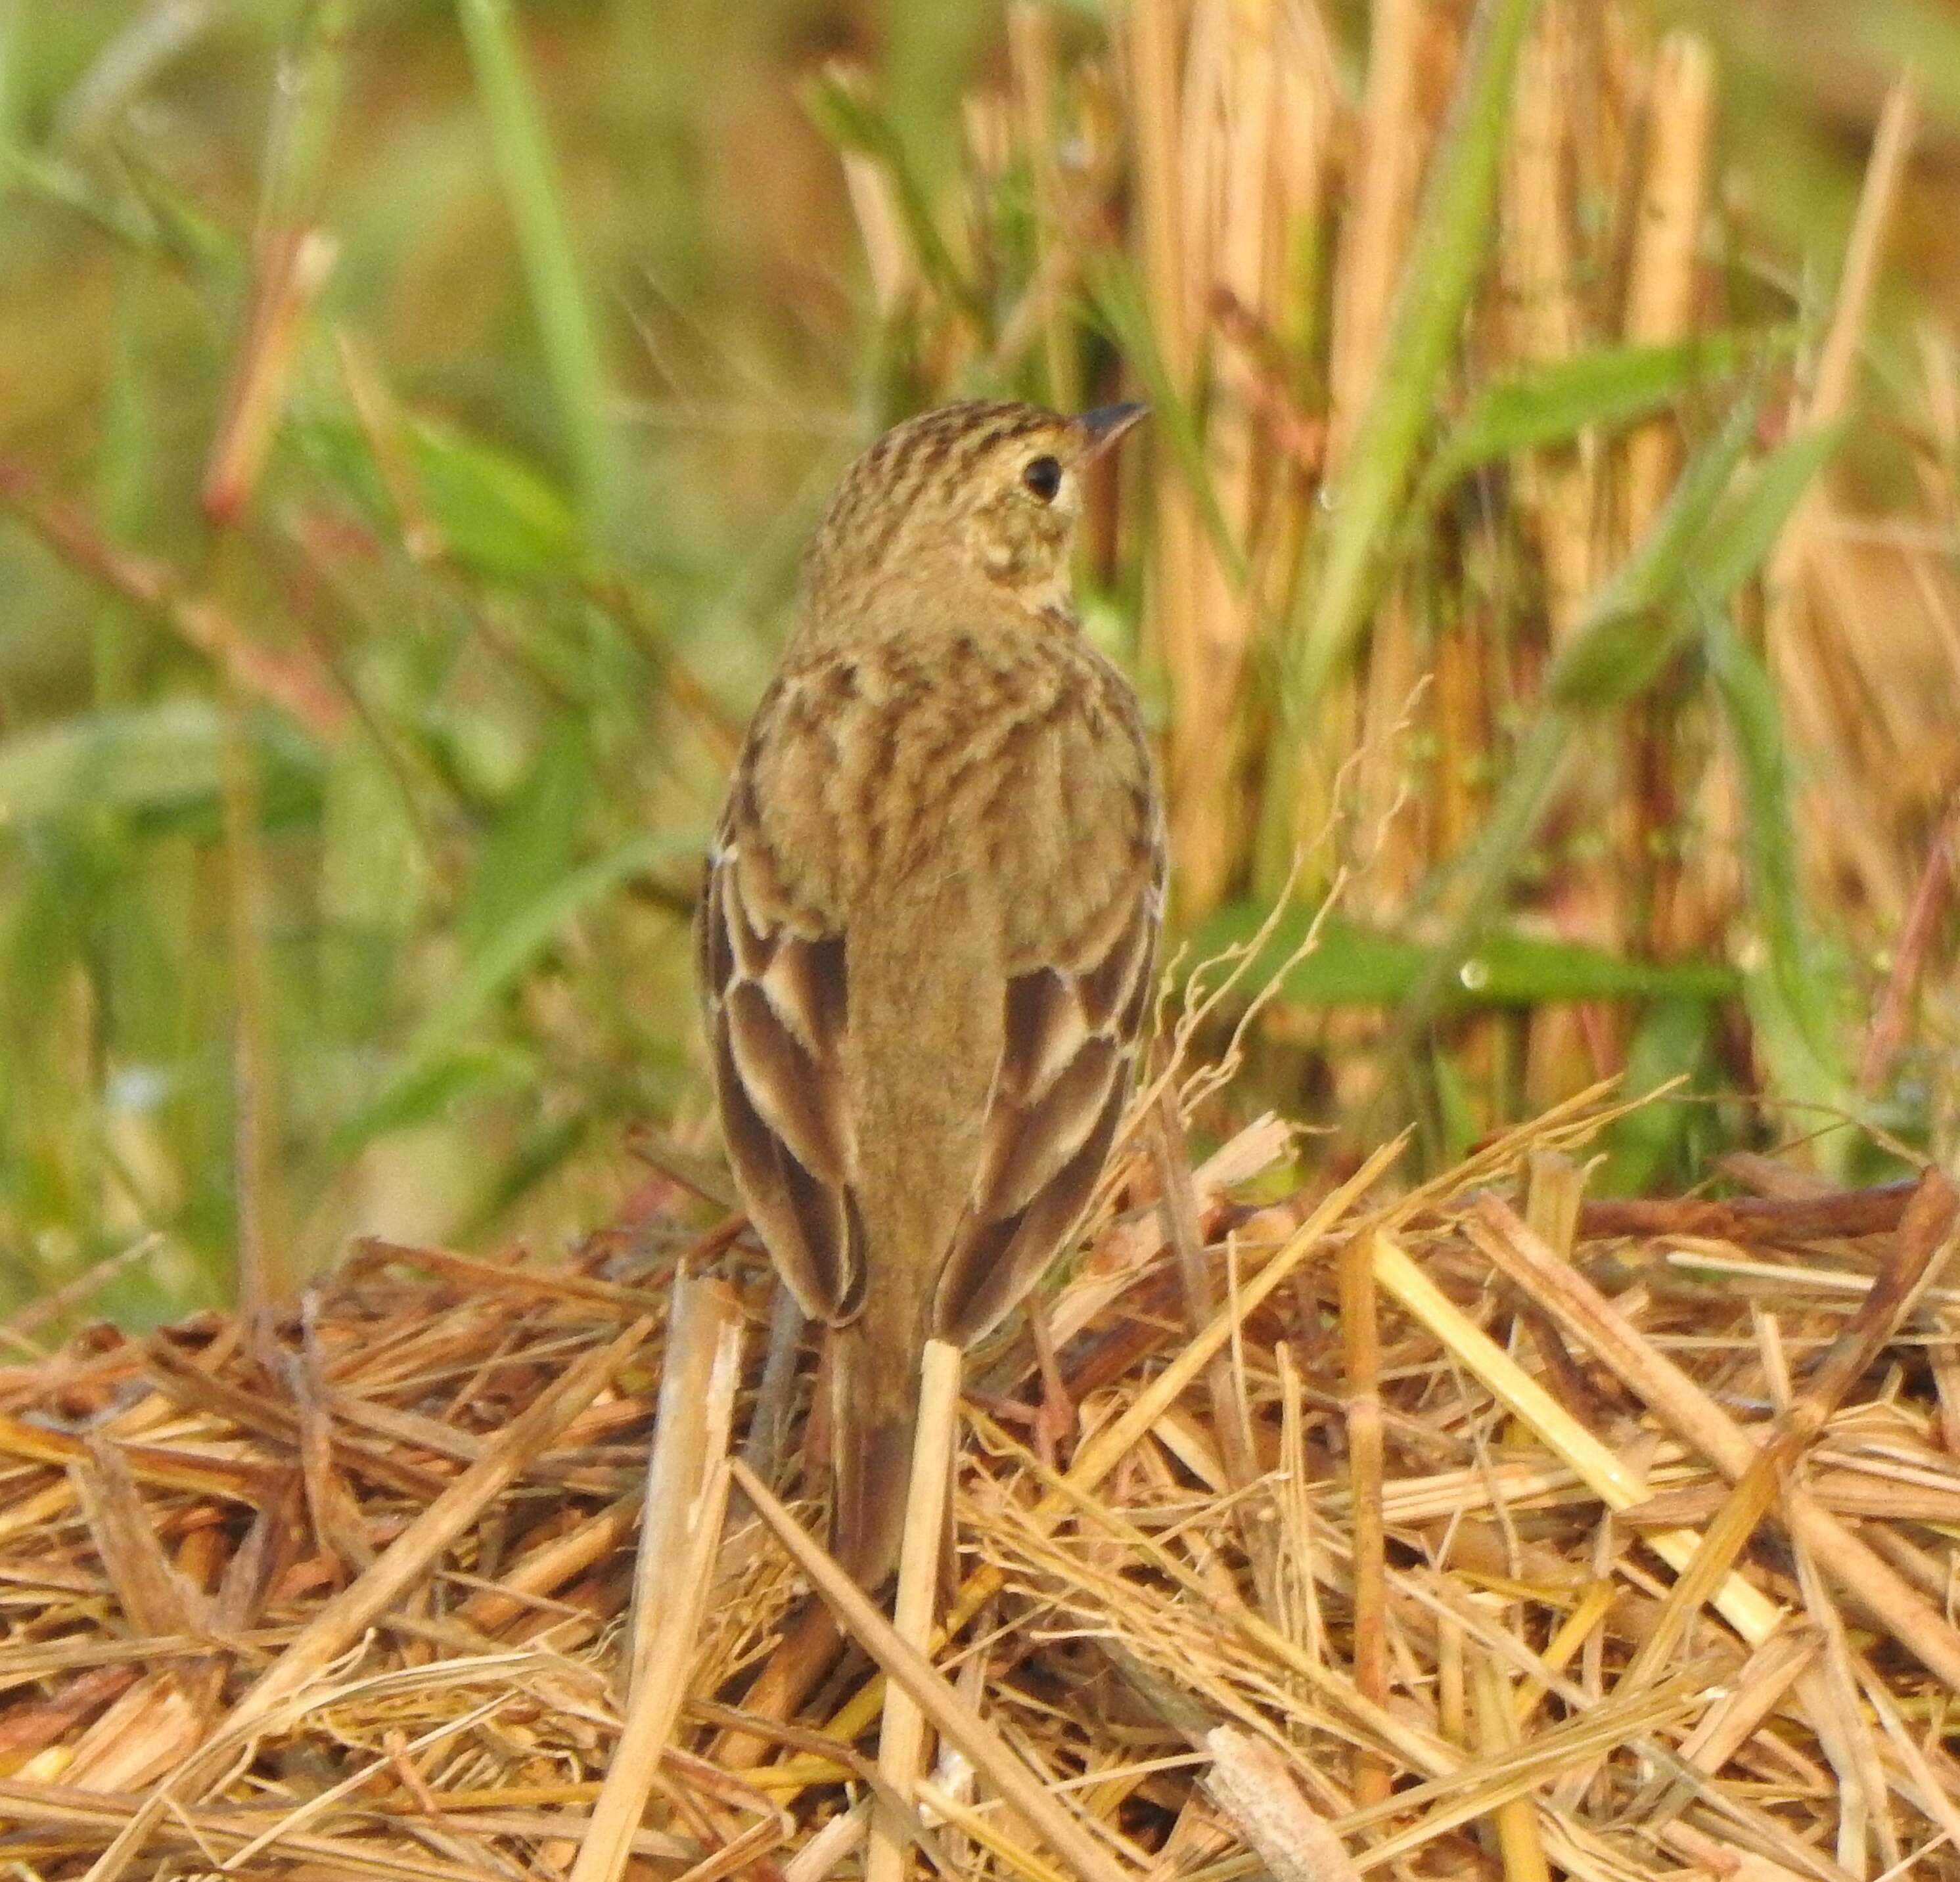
[1478,1528]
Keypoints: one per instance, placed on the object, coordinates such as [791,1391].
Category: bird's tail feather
[874,1410]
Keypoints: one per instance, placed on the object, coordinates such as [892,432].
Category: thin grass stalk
[566,330]
[1235,113]
[291,264]
[1178,1203]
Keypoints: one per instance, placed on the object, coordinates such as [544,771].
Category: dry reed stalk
[1229,104]
[819,1857]
[699,1374]
[410,1556]
[1518,1844]
[1032,64]
[1175,583]
[1554,1199]
[1101,1453]
[1797,656]
[1383,204]
[1535,255]
[955,1719]
[661,1682]
[1679,122]
[1636,799]
[1177,1202]
[1680,1403]
[1257,1791]
[1361,1352]
[1615,1482]
[901,1736]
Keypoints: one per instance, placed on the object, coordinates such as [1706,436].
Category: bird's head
[973,502]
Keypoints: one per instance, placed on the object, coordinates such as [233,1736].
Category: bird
[926,933]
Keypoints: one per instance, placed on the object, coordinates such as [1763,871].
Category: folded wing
[1071,1028]
[773,992]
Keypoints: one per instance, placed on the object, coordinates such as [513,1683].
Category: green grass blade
[1797,996]
[501,959]
[161,759]
[1601,388]
[1445,256]
[1749,527]
[1632,630]
[534,841]
[1119,299]
[565,326]
[494,515]
[1648,1148]
[1352,964]
[312,79]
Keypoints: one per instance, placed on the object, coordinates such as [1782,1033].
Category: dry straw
[1588,1560]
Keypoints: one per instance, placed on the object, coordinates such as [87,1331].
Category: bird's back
[929,921]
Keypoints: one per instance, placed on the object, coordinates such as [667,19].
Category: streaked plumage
[930,912]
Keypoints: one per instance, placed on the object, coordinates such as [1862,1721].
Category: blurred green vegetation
[411,413]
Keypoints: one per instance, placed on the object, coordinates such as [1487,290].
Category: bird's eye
[1042,475]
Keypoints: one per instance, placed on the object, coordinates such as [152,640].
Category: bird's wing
[772,973]
[1071,1028]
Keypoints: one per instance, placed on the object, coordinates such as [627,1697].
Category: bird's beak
[1102,427]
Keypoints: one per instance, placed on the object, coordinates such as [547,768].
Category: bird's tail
[874,1388]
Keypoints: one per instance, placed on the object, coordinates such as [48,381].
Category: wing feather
[775,999]
[1069,1039]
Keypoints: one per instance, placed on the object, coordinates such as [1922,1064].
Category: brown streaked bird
[926,937]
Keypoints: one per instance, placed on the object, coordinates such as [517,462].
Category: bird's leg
[1055,1420]
[769,1420]
[816,1432]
